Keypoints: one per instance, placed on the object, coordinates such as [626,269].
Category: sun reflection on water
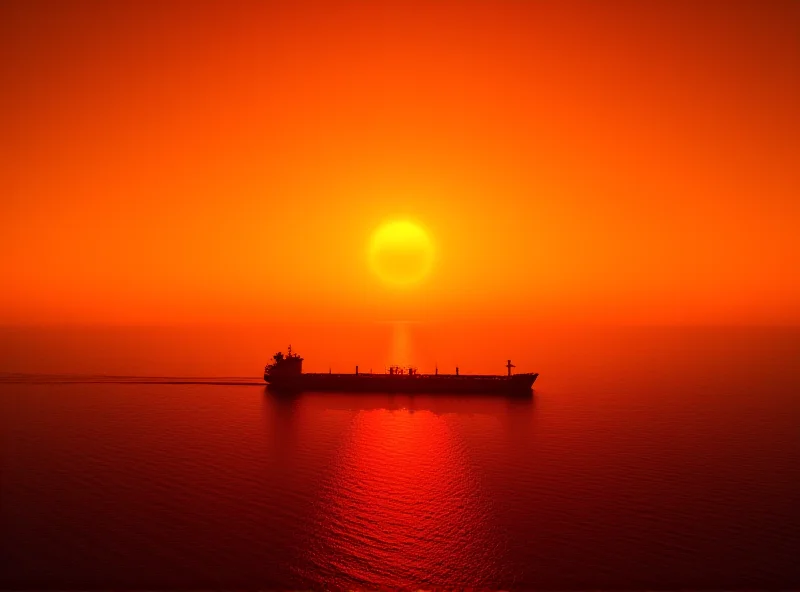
[403,505]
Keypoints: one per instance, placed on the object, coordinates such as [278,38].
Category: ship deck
[404,383]
[494,377]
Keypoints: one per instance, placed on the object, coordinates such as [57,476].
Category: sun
[401,253]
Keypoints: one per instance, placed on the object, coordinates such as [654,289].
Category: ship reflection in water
[401,502]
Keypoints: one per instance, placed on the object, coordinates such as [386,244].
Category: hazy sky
[603,161]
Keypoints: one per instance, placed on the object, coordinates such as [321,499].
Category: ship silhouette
[285,373]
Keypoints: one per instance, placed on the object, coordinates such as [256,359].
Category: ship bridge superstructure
[290,364]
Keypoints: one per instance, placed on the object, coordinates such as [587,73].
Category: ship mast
[509,365]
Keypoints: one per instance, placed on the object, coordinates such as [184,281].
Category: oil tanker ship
[285,373]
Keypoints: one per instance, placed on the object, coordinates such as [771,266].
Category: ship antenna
[290,350]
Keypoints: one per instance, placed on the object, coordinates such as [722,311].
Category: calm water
[671,463]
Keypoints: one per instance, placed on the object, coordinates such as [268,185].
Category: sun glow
[401,253]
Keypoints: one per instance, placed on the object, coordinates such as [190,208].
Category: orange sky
[185,161]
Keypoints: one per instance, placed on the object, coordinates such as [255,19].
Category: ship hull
[518,384]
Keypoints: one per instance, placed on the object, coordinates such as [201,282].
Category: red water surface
[649,459]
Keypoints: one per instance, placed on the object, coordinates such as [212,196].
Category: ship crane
[509,365]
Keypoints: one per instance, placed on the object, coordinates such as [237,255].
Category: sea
[649,458]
